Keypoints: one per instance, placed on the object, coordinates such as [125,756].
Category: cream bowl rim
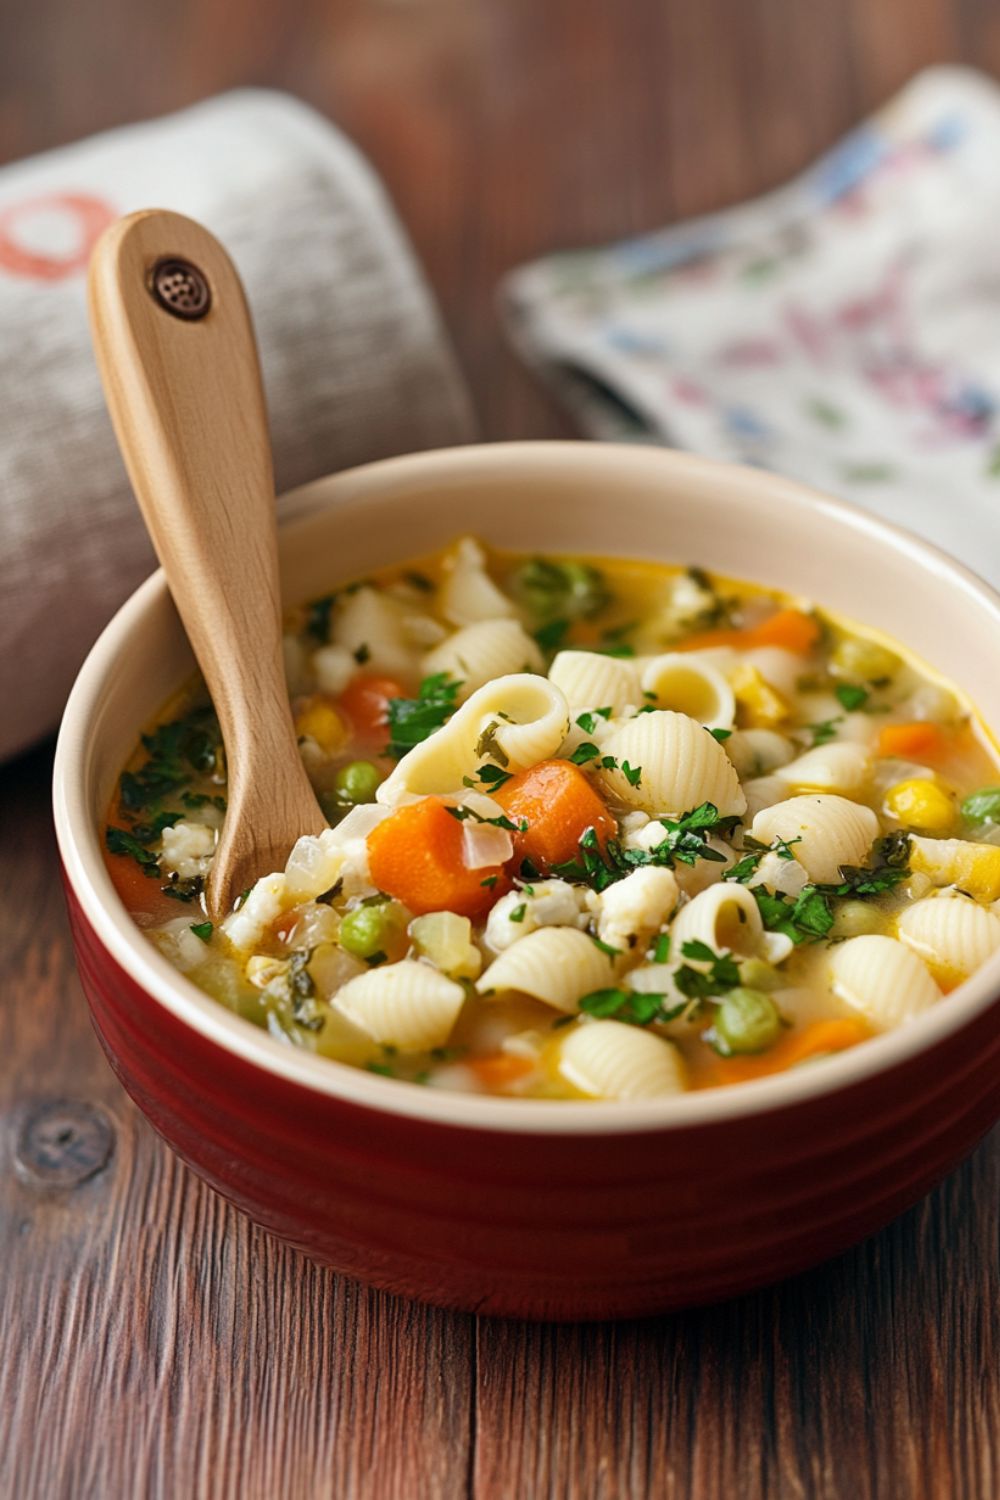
[79,847]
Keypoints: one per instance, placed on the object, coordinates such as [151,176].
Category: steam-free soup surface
[598,829]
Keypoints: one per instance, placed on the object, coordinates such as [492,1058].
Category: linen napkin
[844,330]
[356,365]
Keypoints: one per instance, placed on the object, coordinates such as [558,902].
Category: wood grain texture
[187,404]
[152,1343]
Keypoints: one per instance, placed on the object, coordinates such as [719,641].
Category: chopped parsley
[412,720]
[551,635]
[660,952]
[685,840]
[589,752]
[635,1007]
[184,890]
[177,751]
[318,618]
[810,915]
[487,775]
[721,975]
[517,915]
[605,948]
[746,868]
[588,721]
[121,841]
[195,800]
[202,930]
[720,734]
[851,696]
[490,881]
[488,744]
[806,918]
[463,813]
[825,730]
[585,752]
[561,590]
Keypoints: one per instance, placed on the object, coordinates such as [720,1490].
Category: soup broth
[599,829]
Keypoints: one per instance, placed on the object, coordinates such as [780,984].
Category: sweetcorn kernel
[921,804]
[761,705]
[318,720]
[974,868]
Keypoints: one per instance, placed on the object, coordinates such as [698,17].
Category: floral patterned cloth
[844,330]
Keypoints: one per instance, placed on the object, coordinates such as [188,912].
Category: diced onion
[358,824]
[483,845]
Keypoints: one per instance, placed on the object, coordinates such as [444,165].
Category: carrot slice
[416,856]
[812,1041]
[791,629]
[905,740]
[499,1069]
[559,804]
[141,895]
[365,702]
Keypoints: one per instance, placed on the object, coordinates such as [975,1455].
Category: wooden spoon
[178,360]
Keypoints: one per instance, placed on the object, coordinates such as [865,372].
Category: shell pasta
[599,830]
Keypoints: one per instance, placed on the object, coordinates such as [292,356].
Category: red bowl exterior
[546,1225]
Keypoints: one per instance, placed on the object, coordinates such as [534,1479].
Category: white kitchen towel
[844,330]
[356,364]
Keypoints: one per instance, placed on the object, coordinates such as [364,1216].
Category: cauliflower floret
[777,874]
[188,849]
[266,900]
[546,903]
[635,907]
[179,944]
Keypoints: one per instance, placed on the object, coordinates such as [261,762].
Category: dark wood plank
[152,1342]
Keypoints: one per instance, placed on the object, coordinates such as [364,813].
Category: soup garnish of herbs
[599,830]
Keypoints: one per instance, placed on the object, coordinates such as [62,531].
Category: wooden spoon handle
[178,359]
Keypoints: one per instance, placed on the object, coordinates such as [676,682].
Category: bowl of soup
[653,950]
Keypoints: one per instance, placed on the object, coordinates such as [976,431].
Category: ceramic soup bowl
[540,1209]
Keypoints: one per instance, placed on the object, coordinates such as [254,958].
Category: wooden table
[151,1342]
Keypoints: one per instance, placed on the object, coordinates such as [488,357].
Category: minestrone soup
[598,830]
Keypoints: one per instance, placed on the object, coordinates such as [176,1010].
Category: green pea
[746,1021]
[367,930]
[856,919]
[357,782]
[983,806]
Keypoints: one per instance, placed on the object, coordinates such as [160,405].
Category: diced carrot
[791,629]
[922,740]
[416,856]
[559,804]
[812,1041]
[499,1069]
[364,701]
[141,895]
